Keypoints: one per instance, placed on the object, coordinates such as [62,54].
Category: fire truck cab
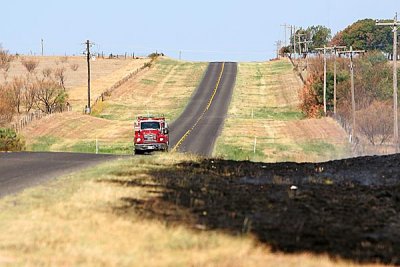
[151,134]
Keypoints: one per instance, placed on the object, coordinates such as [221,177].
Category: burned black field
[348,209]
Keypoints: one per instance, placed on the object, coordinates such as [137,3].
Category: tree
[373,78]
[5,61]
[17,89]
[59,74]
[30,64]
[364,34]
[320,36]
[47,72]
[310,102]
[29,97]
[376,122]
[49,95]
[337,40]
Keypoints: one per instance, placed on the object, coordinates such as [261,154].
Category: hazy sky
[236,30]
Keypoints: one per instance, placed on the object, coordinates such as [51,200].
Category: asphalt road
[195,131]
[200,124]
[25,169]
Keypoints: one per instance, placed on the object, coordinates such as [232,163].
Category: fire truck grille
[149,138]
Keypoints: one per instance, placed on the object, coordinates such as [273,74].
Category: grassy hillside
[165,88]
[104,73]
[264,112]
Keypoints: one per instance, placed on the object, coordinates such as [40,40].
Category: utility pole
[395,25]
[335,50]
[299,41]
[42,47]
[88,45]
[278,48]
[305,50]
[325,49]
[294,41]
[285,26]
[325,81]
[353,101]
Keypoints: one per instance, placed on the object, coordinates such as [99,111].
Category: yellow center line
[204,112]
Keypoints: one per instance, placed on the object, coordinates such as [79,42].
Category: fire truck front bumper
[151,147]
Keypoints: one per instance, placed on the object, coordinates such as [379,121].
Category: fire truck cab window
[149,125]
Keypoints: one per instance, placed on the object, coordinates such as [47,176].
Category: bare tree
[30,64]
[50,96]
[29,96]
[59,74]
[47,72]
[5,62]
[16,91]
[376,122]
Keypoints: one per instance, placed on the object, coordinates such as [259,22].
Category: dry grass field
[104,73]
[165,88]
[264,110]
[90,219]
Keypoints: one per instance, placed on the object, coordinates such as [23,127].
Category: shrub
[64,59]
[10,141]
[147,65]
[47,72]
[7,109]
[74,67]
[309,103]
[5,59]
[154,55]
[376,122]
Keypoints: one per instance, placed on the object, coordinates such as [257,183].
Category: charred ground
[347,209]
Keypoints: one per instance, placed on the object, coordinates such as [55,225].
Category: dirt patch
[347,209]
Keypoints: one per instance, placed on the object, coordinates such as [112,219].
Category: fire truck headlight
[138,139]
[161,139]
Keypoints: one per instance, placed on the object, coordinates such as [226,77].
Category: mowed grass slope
[165,89]
[90,219]
[264,111]
[111,124]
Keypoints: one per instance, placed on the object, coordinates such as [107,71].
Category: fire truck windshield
[149,125]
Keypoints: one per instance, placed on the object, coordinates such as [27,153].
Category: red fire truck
[151,134]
